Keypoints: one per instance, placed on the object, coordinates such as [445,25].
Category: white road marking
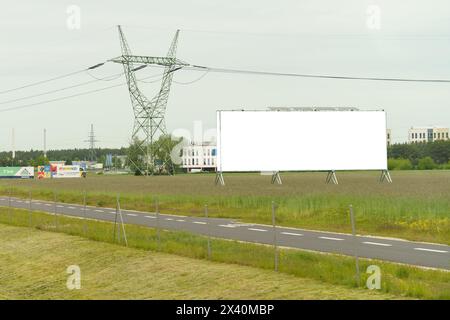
[292,234]
[331,238]
[431,250]
[226,226]
[255,229]
[131,214]
[180,220]
[199,222]
[48,204]
[71,207]
[60,206]
[151,217]
[378,244]
[169,219]
[99,210]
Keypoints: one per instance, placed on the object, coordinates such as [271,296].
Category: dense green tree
[162,162]
[438,151]
[39,161]
[135,160]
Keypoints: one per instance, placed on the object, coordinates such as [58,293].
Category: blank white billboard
[301,140]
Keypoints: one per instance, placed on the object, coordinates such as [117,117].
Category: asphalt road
[394,250]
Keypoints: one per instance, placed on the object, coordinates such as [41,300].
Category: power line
[107,78]
[193,81]
[59,99]
[96,79]
[52,79]
[321,76]
[366,35]
[116,76]
[194,67]
[67,97]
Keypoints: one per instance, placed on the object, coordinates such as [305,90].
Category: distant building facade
[427,134]
[199,157]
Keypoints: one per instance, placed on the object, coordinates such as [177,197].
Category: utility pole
[149,115]
[45,143]
[13,147]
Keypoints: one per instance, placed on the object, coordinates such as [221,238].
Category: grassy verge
[329,269]
[415,207]
[34,266]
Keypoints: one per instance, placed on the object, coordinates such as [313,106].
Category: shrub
[446,166]
[399,164]
[426,163]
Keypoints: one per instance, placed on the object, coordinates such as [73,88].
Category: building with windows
[427,134]
[199,157]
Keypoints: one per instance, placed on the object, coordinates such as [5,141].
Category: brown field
[415,184]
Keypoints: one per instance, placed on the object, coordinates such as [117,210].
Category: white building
[199,157]
[427,134]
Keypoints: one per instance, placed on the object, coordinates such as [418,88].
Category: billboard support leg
[276,178]
[385,176]
[219,179]
[331,177]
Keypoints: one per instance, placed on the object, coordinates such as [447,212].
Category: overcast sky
[317,37]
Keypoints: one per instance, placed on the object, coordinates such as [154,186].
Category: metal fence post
[208,233]
[84,214]
[158,236]
[9,204]
[274,237]
[115,222]
[352,219]
[55,210]
[30,209]
[121,221]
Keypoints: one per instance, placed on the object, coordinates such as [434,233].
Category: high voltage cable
[70,96]
[107,78]
[116,76]
[52,79]
[369,36]
[198,68]
[305,75]
[193,81]
[321,76]
[59,99]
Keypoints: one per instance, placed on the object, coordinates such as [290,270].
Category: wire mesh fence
[113,225]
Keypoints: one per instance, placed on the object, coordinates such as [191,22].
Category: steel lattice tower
[149,115]
[92,141]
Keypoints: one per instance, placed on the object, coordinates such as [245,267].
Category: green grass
[415,207]
[34,264]
[334,270]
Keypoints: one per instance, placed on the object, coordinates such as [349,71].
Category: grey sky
[321,37]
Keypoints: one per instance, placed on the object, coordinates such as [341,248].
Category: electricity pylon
[92,141]
[149,115]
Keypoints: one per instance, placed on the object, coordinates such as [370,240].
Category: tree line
[403,156]
[422,156]
[36,157]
